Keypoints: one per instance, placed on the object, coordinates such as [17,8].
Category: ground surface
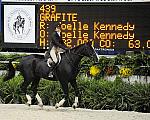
[23,112]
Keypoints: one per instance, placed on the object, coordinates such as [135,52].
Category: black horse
[34,67]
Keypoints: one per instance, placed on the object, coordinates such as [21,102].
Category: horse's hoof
[28,104]
[56,106]
[75,105]
[41,105]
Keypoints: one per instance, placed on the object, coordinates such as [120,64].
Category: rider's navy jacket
[57,41]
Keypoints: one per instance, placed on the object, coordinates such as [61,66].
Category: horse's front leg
[64,86]
[76,101]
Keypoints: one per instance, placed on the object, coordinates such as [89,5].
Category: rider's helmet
[18,17]
[57,25]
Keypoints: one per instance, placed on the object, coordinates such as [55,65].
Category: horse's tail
[11,70]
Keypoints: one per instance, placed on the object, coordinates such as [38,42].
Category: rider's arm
[55,41]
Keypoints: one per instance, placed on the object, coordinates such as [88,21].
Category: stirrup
[50,74]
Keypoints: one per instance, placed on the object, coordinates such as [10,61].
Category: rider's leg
[54,60]
[53,54]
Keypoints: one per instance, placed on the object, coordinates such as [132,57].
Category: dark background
[0,16]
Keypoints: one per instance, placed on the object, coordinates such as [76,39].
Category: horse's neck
[76,55]
[76,59]
[79,50]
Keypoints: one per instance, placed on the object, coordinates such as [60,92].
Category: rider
[56,45]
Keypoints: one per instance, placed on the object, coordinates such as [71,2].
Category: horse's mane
[78,46]
[38,56]
[75,48]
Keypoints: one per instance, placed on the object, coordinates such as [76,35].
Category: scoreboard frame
[36,44]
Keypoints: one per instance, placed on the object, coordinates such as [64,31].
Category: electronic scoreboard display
[111,26]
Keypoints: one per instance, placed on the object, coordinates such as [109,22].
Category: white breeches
[54,51]
[53,54]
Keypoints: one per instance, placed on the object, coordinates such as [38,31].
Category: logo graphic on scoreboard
[19,24]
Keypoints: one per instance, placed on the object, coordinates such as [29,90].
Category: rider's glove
[67,49]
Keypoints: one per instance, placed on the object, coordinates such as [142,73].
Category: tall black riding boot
[51,69]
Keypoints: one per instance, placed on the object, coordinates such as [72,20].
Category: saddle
[50,61]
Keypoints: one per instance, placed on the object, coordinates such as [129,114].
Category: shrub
[95,94]
[10,90]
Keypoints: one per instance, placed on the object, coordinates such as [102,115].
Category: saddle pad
[49,60]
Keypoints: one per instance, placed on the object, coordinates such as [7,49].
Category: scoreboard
[111,26]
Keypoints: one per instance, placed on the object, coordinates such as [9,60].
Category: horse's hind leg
[74,85]
[34,86]
[23,88]
[64,86]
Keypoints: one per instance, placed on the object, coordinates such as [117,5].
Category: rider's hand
[67,49]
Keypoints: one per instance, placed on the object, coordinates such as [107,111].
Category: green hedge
[7,57]
[134,61]
[95,94]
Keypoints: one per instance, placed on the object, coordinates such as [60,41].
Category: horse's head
[90,52]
